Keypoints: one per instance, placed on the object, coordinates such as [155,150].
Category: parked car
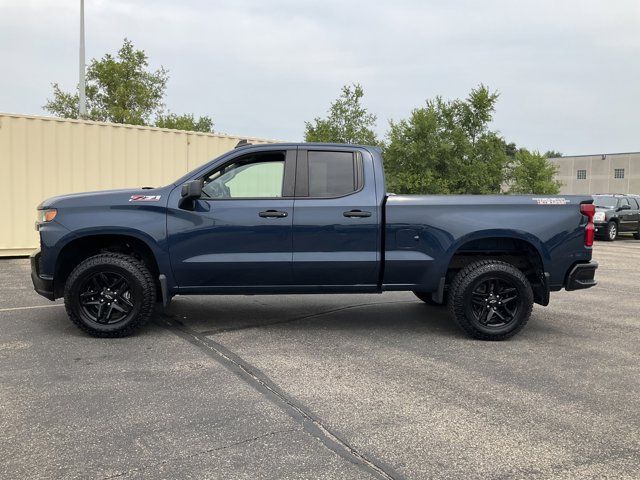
[308,218]
[616,214]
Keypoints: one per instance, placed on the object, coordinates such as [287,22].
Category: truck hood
[108,197]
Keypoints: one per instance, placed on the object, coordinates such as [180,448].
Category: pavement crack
[311,424]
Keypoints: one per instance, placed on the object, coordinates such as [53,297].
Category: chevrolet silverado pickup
[308,218]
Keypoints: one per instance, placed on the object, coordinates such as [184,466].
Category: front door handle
[273,214]
[357,213]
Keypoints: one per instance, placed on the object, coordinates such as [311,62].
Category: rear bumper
[42,284]
[582,276]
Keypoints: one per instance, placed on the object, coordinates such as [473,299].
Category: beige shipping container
[43,156]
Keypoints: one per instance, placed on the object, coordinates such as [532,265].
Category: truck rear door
[335,220]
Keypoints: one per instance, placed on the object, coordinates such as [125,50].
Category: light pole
[82,107]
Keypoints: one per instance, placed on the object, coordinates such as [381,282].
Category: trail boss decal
[145,198]
[551,201]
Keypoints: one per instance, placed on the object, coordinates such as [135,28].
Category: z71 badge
[551,201]
[145,198]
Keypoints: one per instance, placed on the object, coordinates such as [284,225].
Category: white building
[602,173]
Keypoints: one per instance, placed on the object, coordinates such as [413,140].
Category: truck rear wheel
[490,300]
[110,295]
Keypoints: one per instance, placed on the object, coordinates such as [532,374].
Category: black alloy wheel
[110,295]
[490,299]
[106,298]
[494,302]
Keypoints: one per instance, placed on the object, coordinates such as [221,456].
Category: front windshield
[605,202]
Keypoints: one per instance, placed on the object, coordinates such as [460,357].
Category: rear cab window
[329,174]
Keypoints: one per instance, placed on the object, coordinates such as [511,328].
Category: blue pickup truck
[308,218]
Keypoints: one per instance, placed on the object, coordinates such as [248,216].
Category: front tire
[490,300]
[612,231]
[110,295]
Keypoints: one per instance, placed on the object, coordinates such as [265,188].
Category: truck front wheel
[490,300]
[110,295]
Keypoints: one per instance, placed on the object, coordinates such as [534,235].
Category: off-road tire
[138,277]
[460,293]
[426,298]
[612,232]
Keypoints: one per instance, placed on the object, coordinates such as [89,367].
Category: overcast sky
[568,72]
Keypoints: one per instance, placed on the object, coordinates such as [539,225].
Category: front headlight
[598,217]
[47,215]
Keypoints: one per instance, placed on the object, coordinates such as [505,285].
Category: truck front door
[239,232]
[336,227]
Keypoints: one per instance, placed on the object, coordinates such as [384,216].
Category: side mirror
[190,192]
[624,207]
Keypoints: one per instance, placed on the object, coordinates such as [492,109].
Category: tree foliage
[186,121]
[123,89]
[348,121]
[531,172]
[447,147]
[552,154]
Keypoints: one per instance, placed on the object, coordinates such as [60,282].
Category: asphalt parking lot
[325,387]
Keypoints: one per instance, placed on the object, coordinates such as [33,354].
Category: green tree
[119,89]
[552,154]
[348,121]
[122,89]
[532,172]
[186,121]
[447,147]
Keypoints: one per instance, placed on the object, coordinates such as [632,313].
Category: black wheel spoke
[99,312]
[502,317]
[117,307]
[494,302]
[106,298]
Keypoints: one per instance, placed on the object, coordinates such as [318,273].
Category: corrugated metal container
[42,156]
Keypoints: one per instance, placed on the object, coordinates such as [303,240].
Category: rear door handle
[357,213]
[273,214]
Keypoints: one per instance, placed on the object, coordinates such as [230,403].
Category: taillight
[589,210]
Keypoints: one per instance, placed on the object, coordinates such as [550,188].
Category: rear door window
[332,174]
[634,203]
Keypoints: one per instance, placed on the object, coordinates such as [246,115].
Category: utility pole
[82,107]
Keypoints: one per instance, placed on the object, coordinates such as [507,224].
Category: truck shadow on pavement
[206,316]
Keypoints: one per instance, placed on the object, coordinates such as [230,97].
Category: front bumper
[582,276]
[43,284]
[600,228]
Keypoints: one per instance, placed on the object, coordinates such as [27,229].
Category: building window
[618,173]
[582,174]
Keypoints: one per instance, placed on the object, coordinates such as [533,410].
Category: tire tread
[135,267]
[465,277]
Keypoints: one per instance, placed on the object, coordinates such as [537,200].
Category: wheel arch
[81,247]
[519,249]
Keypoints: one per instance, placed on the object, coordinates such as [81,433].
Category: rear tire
[427,298]
[110,295]
[612,231]
[490,300]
